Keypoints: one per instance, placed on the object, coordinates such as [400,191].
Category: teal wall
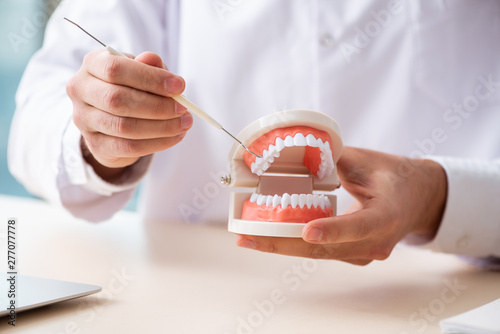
[22,24]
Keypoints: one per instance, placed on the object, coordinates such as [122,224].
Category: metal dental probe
[181,99]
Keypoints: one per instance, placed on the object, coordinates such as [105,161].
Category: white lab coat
[411,78]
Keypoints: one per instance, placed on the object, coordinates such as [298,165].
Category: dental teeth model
[299,150]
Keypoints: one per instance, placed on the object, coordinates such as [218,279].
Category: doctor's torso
[404,77]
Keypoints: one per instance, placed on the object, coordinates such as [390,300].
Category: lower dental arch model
[299,150]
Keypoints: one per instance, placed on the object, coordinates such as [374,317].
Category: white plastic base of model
[268,229]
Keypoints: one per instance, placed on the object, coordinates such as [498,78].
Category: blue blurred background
[22,25]
[20,38]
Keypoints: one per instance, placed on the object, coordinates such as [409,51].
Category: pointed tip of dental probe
[239,142]
[251,152]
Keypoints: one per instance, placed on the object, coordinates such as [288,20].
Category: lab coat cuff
[470,225]
[79,172]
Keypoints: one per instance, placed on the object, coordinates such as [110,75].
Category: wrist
[111,175]
[433,179]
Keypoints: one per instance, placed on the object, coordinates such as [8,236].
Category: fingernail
[186,121]
[174,85]
[246,243]
[313,234]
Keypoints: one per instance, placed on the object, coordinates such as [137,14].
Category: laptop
[33,292]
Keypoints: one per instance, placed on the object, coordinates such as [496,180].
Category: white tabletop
[165,277]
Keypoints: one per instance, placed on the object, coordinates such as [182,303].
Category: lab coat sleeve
[471,222]
[44,145]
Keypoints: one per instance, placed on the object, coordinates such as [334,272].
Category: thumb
[350,227]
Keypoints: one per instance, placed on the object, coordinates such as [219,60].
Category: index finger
[134,74]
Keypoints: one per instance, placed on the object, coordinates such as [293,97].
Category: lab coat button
[326,40]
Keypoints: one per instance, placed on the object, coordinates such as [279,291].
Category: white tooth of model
[280,144]
[261,200]
[276,201]
[311,141]
[299,140]
[302,200]
[309,200]
[289,141]
[315,201]
[294,200]
[259,161]
[255,166]
[273,151]
[328,153]
[256,170]
[285,200]
[254,197]
[321,202]
[268,157]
